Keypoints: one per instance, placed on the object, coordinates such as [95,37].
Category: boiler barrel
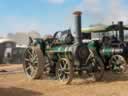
[110,51]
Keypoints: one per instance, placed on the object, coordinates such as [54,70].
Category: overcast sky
[48,16]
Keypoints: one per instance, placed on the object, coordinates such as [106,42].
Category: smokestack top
[77,13]
[120,22]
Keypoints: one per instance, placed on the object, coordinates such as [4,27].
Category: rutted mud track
[10,69]
[17,85]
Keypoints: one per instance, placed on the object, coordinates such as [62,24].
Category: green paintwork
[107,52]
[56,49]
[91,45]
[59,49]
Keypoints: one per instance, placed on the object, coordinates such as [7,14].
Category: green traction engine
[62,57]
[112,50]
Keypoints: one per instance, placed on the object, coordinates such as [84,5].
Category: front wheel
[118,64]
[64,71]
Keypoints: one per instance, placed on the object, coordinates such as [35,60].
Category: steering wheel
[57,35]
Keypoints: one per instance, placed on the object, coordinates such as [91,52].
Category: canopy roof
[103,28]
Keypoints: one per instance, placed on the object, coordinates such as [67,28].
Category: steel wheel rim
[31,62]
[98,70]
[120,61]
[64,71]
[117,59]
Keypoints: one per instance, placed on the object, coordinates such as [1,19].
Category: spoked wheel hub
[64,71]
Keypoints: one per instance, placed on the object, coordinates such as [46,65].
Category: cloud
[56,1]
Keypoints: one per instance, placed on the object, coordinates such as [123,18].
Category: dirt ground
[16,84]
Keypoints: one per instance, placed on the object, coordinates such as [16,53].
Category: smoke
[116,12]
[90,7]
[104,11]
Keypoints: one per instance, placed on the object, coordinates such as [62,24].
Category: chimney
[78,38]
[121,30]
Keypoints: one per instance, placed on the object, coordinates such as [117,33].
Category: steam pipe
[78,38]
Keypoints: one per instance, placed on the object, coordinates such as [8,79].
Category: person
[7,55]
[106,42]
[114,39]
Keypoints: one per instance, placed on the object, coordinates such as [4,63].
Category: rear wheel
[97,71]
[98,68]
[64,71]
[33,63]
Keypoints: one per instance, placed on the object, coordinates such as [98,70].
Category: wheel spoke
[31,67]
[64,77]
[27,68]
[99,68]
[32,70]
[33,53]
[64,71]
[65,66]
[60,69]
[113,62]
[61,66]
[60,74]
[67,73]
[35,57]
[35,62]
[35,67]
[27,60]
[29,53]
